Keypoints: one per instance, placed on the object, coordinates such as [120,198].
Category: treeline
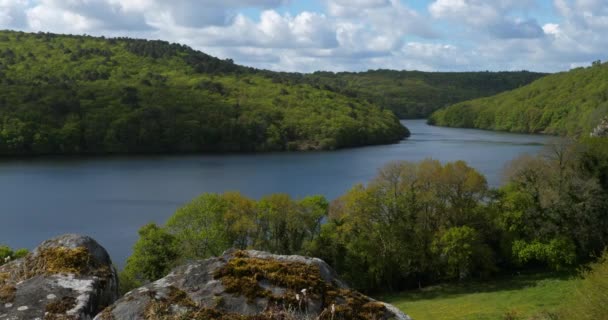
[410,94]
[212,223]
[415,224]
[416,94]
[85,95]
[569,103]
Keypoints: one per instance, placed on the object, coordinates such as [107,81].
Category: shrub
[590,300]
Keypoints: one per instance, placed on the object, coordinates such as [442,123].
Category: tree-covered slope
[78,94]
[415,94]
[568,103]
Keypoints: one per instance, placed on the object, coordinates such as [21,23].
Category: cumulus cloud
[78,16]
[490,16]
[135,15]
[306,30]
[344,34]
[12,13]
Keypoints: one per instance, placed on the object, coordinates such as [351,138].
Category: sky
[344,35]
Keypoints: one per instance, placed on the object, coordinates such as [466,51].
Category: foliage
[401,227]
[557,253]
[568,103]
[7,254]
[413,225]
[416,94]
[460,249]
[553,208]
[213,223]
[84,95]
[153,256]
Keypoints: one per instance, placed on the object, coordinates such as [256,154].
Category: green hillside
[568,103]
[79,95]
[416,94]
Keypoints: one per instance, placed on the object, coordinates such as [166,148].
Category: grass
[522,296]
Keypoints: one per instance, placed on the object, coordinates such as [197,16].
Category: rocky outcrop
[71,278]
[250,285]
[68,277]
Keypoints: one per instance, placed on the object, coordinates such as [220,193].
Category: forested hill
[416,94]
[569,103]
[78,94]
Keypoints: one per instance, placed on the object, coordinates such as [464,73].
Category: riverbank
[111,198]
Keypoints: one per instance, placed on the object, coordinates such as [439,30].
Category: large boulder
[68,277]
[250,285]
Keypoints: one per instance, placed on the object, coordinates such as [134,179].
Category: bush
[6,252]
[590,301]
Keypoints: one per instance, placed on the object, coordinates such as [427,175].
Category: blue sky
[345,35]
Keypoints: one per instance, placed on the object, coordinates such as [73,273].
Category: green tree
[463,252]
[199,227]
[553,209]
[154,254]
[381,235]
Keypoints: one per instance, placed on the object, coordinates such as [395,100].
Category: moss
[242,275]
[67,260]
[212,314]
[61,306]
[164,308]
[7,293]
[106,314]
[64,260]
[52,316]
[246,276]
[56,260]
[48,261]
[56,310]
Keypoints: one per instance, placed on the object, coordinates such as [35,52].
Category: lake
[109,198]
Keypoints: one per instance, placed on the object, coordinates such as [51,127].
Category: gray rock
[249,283]
[601,131]
[68,277]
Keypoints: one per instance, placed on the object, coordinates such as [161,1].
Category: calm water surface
[110,198]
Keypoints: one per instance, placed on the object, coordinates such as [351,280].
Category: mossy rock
[66,278]
[250,285]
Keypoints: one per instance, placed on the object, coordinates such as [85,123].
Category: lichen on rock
[250,285]
[66,278]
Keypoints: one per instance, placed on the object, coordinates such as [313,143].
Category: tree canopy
[64,94]
[568,103]
[414,224]
[417,94]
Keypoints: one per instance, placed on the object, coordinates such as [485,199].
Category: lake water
[110,198]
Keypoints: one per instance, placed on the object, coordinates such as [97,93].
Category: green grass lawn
[522,295]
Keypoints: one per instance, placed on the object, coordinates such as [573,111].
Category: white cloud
[306,30]
[552,29]
[349,8]
[12,13]
[491,16]
[344,34]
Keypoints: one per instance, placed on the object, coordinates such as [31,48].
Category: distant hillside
[78,94]
[569,103]
[415,94]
